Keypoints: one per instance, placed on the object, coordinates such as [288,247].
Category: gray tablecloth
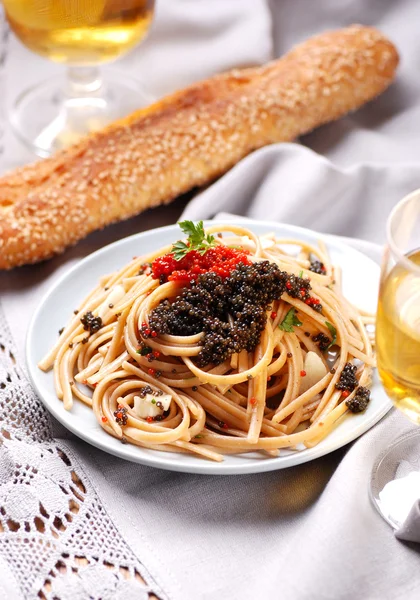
[308,532]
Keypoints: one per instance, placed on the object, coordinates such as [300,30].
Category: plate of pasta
[216,347]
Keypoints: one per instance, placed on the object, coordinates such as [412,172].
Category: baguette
[186,140]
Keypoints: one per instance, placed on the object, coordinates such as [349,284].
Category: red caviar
[104,419]
[221,260]
[345,394]
[149,419]
[303,373]
[151,372]
[253,401]
[273,315]
[312,301]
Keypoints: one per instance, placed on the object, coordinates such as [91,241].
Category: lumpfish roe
[348,380]
[221,260]
[206,305]
[360,401]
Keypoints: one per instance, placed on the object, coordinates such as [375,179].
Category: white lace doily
[57,541]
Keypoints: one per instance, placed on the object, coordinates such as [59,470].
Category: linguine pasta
[150,389]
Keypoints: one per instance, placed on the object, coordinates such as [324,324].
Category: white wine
[80,32]
[398,336]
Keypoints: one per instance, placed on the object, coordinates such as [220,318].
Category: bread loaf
[186,140]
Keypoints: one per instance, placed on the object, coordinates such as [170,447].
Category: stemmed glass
[398,356]
[81,34]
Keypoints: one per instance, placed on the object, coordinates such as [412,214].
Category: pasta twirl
[278,378]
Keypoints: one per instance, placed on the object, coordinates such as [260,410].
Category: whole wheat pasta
[310,360]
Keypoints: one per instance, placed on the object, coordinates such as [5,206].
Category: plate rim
[157,460]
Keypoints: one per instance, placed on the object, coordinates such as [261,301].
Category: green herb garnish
[290,321]
[145,350]
[333,332]
[197,240]
[301,274]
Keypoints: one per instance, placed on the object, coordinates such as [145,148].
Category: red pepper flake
[253,401]
[225,426]
[345,394]
[95,384]
[269,378]
[273,315]
[303,373]
[156,353]
[149,419]
[104,419]
[144,325]
[154,334]
[151,372]
[289,285]
[84,382]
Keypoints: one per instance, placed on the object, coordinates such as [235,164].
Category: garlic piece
[146,407]
[315,371]
[115,295]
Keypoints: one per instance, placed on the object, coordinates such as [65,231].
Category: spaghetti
[177,359]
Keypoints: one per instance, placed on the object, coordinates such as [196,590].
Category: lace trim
[55,534]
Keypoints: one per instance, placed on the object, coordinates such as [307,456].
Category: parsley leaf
[333,332]
[144,350]
[289,321]
[179,250]
[197,240]
[301,274]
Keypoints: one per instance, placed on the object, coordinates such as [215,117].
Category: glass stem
[83,82]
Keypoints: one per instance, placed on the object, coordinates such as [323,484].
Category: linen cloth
[307,532]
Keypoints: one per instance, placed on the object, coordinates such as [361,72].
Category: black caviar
[148,390]
[121,415]
[318,267]
[90,322]
[145,390]
[348,380]
[322,340]
[209,302]
[360,400]
[299,287]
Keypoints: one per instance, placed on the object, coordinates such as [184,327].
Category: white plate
[360,283]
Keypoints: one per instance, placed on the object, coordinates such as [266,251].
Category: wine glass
[81,34]
[398,356]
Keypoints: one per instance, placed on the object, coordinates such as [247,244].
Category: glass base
[395,479]
[59,111]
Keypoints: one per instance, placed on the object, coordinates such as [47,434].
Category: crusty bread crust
[187,140]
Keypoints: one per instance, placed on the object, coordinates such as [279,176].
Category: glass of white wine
[398,354]
[81,34]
